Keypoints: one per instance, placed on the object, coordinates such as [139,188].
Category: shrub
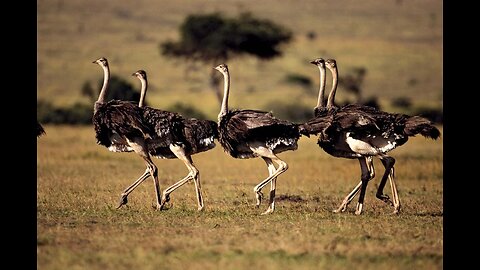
[300,80]
[296,113]
[187,111]
[402,102]
[78,113]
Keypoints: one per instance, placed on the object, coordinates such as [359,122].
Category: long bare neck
[321,90]
[106,78]
[226,90]
[331,96]
[143,92]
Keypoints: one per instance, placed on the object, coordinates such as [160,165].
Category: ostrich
[251,133]
[119,126]
[363,132]
[192,136]
[40,130]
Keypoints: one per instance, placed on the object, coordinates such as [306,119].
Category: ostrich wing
[259,125]
[118,117]
[167,128]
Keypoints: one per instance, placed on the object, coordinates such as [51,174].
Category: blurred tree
[117,89]
[88,91]
[402,102]
[301,80]
[213,39]
[352,82]
[187,110]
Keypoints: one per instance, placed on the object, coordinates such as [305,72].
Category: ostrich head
[331,64]
[318,62]
[102,61]
[223,68]
[140,74]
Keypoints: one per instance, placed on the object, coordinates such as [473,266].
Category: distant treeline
[81,113]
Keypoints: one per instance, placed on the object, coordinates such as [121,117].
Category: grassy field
[398,42]
[79,184]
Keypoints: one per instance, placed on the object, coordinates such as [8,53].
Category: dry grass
[79,184]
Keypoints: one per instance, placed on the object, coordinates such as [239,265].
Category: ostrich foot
[123,200]
[268,211]
[341,208]
[165,199]
[259,196]
[385,198]
[397,210]
[359,209]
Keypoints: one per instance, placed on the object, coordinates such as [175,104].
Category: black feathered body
[200,135]
[116,121]
[167,129]
[238,129]
[355,130]
[193,135]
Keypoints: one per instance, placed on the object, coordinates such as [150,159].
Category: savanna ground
[78,227]
[79,183]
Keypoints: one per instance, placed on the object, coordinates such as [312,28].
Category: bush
[402,102]
[78,113]
[120,89]
[187,111]
[300,80]
[289,111]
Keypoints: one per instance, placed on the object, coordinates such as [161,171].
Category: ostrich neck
[226,90]
[331,96]
[103,92]
[321,90]
[143,92]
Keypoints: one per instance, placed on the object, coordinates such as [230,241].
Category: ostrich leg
[140,148]
[129,189]
[192,175]
[271,171]
[282,167]
[365,178]
[354,192]
[388,162]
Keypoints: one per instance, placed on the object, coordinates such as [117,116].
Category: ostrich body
[251,133]
[40,130]
[119,126]
[362,132]
[185,137]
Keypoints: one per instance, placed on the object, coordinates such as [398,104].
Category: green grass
[79,184]
[396,43]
